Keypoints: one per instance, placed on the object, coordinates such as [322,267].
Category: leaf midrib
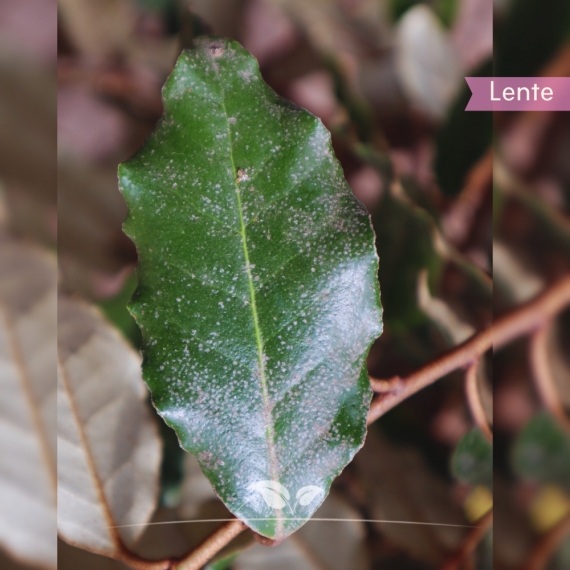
[32,404]
[107,512]
[269,431]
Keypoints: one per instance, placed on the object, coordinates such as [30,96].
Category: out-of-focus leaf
[408,242]
[399,7]
[319,545]
[472,32]
[399,486]
[327,28]
[559,359]
[516,281]
[28,280]
[472,460]
[159,541]
[426,61]
[542,452]
[99,29]
[447,10]
[440,312]
[108,445]
[268,32]
[276,294]
[169,10]
[530,35]
[542,242]
[404,240]
[462,140]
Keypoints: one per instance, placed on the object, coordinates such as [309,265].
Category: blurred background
[456,199]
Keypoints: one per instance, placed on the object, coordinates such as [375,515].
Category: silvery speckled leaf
[258,298]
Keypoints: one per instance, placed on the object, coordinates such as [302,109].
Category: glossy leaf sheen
[258,298]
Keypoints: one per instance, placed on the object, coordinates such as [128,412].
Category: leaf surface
[108,450]
[542,451]
[28,280]
[258,297]
[472,460]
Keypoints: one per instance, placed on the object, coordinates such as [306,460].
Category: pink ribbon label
[519,93]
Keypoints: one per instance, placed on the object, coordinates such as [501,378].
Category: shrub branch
[474,400]
[523,320]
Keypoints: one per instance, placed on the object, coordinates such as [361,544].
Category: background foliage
[386,79]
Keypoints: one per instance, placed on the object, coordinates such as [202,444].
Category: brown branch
[458,221]
[193,560]
[472,541]
[542,374]
[211,546]
[547,545]
[474,400]
[521,321]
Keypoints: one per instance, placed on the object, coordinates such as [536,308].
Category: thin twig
[547,545]
[474,400]
[458,221]
[211,546]
[542,374]
[472,541]
[521,321]
[461,356]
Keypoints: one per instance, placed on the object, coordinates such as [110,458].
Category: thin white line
[303,519]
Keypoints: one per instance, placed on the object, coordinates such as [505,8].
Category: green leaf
[542,452]
[472,461]
[258,297]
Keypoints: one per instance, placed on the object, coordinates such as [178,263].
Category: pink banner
[519,93]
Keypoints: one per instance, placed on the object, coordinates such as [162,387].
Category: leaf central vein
[253,304]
